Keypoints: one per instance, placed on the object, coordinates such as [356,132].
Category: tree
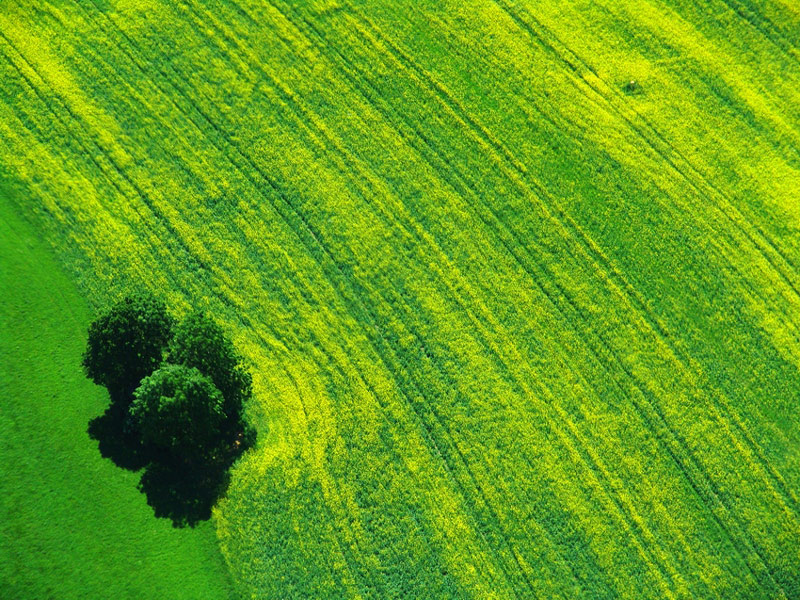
[182,420]
[200,343]
[127,343]
[179,413]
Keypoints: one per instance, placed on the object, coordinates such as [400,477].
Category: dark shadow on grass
[117,442]
[185,496]
[183,493]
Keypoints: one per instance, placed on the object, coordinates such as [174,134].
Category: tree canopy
[179,413]
[185,389]
[127,343]
[201,343]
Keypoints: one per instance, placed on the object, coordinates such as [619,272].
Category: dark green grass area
[72,525]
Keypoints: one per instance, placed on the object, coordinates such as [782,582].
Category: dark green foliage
[183,421]
[127,343]
[200,343]
[179,413]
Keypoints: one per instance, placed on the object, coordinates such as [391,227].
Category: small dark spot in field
[632,88]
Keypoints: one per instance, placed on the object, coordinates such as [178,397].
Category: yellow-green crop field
[518,281]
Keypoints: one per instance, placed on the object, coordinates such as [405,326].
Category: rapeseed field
[518,282]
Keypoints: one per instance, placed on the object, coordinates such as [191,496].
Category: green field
[71,524]
[519,282]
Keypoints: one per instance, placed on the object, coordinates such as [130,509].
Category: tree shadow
[183,493]
[116,439]
[185,496]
